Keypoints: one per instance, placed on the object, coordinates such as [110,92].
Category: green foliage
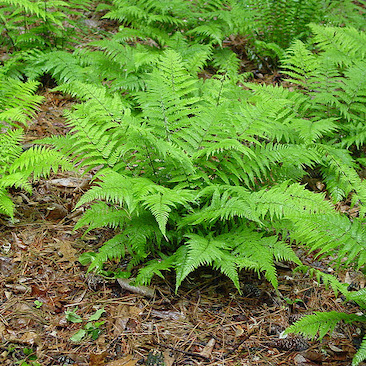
[28,24]
[17,104]
[192,172]
[16,167]
[323,323]
[206,173]
[317,325]
[17,100]
[280,22]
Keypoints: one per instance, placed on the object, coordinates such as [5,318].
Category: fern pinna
[199,172]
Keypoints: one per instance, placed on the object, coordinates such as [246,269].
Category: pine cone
[295,343]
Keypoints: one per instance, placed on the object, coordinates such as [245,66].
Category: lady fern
[209,171]
[17,104]
[317,325]
[43,22]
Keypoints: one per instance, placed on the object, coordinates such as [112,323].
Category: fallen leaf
[98,359]
[142,290]
[168,360]
[30,338]
[67,251]
[207,350]
[56,212]
[125,361]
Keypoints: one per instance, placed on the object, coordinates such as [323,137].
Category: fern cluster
[27,24]
[210,171]
[192,172]
[17,104]
[318,324]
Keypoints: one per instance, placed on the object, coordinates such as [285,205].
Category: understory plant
[277,23]
[318,324]
[209,173]
[192,172]
[27,24]
[200,31]
[17,105]
[332,79]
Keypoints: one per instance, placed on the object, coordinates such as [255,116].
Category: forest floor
[46,295]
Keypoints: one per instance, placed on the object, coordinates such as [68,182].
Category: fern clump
[204,173]
[43,22]
[17,100]
[17,166]
[277,23]
[17,104]
[318,324]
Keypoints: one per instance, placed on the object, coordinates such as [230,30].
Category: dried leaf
[173,315]
[98,359]
[67,251]
[56,212]
[125,361]
[142,290]
[207,350]
[168,359]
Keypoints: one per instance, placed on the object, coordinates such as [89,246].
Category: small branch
[191,354]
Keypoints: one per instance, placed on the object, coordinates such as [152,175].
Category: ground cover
[55,313]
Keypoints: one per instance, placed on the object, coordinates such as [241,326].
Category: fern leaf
[40,161]
[200,251]
[154,267]
[162,201]
[6,204]
[321,323]
[360,354]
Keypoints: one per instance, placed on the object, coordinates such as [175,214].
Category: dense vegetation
[199,172]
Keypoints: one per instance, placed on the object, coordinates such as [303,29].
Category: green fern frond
[262,251]
[359,297]
[40,161]
[360,354]
[6,204]
[64,66]
[319,324]
[344,44]
[18,101]
[300,63]
[160,201]
[154,267]
[114,248]
[117,189]
[332,232]
[17,180]
[325,278]
[200,251]
[10,148]
[287,201]
[101,215]
[29,7]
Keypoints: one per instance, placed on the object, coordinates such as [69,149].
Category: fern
[17,105]
[43,22]
[17,100]
[360,354]
[18,166]
[322,323]
[192,165]
[192,161]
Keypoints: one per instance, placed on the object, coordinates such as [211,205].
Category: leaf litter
[207,323]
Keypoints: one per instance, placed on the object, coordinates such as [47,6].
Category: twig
[227,354]
[192,354]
